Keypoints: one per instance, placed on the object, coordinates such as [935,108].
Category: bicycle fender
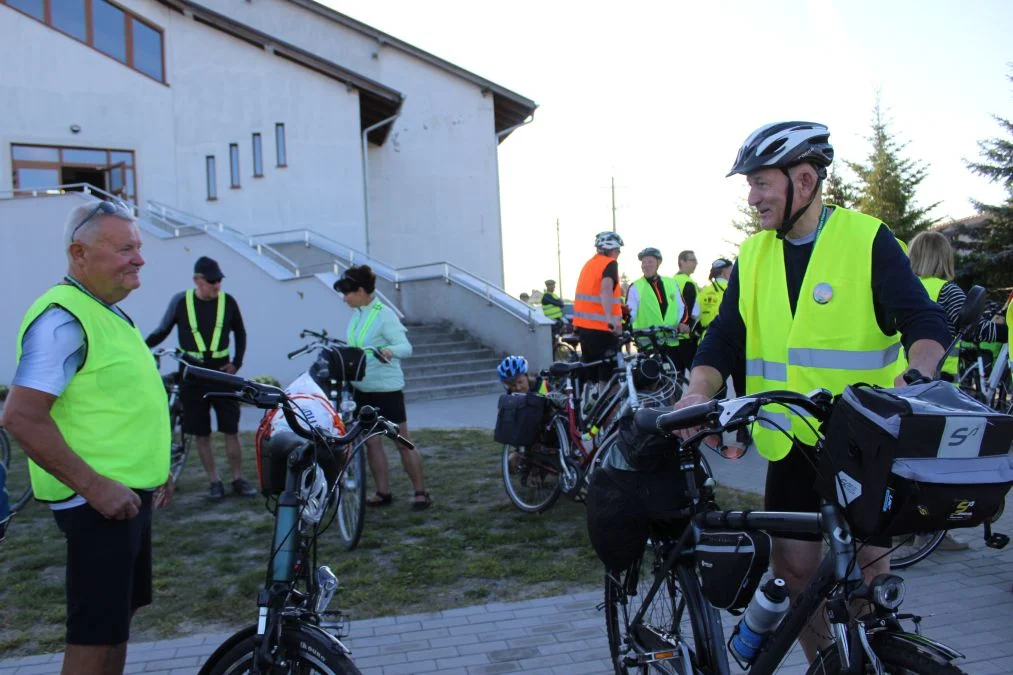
[325,636]
[923,644]
[225,647]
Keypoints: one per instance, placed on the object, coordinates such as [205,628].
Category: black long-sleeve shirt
[207,311]
[952,298]
[899,300]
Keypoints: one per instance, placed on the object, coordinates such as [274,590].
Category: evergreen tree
[747,223]
[838,191]
[994,258]
[887,182]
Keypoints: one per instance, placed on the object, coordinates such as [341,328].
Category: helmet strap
[789,221]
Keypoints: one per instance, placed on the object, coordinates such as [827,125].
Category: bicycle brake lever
[405,442]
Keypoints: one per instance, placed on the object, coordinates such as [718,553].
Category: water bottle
[769,605]
[587,438]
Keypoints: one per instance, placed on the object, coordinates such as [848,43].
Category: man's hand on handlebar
[229,368]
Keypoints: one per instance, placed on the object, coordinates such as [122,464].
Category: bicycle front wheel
[897,655]
[531,475]
[914,548]
[300,651]
[181,443]
[352,499]
[677,617]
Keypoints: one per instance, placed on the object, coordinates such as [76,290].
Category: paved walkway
[964,596]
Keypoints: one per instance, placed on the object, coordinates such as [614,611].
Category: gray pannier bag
[915,459]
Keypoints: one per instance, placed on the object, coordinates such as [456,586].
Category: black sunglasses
[105,208]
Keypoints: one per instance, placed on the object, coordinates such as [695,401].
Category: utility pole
[613,203]
[559,262]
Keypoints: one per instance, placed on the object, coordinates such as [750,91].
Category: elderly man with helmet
[821,297]
[655,301]
[597,313]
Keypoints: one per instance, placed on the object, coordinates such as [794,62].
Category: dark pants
[596,345]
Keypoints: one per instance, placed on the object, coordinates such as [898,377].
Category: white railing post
[446,273]
[260,250]
[306,238]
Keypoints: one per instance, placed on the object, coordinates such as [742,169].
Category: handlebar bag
[520,419]
[342,364]
[731,565]
[272,453]
[915,459]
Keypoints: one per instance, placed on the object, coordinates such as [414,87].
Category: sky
[659,95]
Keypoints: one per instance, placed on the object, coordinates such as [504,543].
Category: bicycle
[181,441]
[23,495]
[336,368]
[575,442]
[655,611]
[295,631]
[564,342]
[991,385]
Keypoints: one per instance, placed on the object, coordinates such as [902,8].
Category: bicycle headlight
[327,586]
[887,591]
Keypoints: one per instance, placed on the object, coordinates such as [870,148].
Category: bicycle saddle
[571,340]
[560,368]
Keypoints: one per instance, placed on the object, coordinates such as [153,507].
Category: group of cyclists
[822,297]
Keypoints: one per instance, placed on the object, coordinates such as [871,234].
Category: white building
[278,134]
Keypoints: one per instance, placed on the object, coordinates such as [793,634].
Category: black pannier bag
[915,459]
[520,419]
[731,565]
[645,451]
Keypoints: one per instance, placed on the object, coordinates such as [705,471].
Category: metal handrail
[59,190]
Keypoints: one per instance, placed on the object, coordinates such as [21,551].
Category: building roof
[376,101]
[510,108]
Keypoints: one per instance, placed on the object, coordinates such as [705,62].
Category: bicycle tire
[897,656]
[668,612]
[531,478]
[564,352]
[905,556]
[5,449]
[181,444]
[6,456]
[305,650]
[352,500]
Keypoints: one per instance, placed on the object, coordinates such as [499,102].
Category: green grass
[471,547]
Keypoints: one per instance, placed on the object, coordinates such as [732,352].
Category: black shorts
[684,353]
[108,572]
[197,412]
[390,404]
[791,486]
[596,345]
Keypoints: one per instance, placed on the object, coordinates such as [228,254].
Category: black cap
[208,268]
[720,264]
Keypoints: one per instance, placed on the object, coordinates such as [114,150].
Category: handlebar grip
[296,353]
[214,377]
[692,416]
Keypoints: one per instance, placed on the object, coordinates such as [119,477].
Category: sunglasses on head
[106,208]
[346,284]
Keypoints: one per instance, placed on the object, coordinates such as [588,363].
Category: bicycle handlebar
[323,339]
[733,413]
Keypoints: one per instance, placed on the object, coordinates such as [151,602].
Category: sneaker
[950,544]
[216,492]
[242,488]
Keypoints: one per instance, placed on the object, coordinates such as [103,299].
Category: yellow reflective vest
[709,298]
[832,340]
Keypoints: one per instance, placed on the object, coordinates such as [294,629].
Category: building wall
[434,185]
[220,91]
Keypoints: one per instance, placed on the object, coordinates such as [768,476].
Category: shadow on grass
[471,547]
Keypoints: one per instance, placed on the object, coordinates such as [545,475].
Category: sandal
[423,505]
[380,499]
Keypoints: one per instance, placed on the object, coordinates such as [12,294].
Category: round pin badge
[823,293]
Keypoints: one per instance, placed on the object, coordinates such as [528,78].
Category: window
[212,182]
[104,26]
[279,142]
[234,164]
[258,156]
[109,28]
[40,166]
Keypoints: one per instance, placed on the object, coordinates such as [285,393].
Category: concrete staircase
[448,363]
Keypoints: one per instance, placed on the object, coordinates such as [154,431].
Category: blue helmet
[511,367]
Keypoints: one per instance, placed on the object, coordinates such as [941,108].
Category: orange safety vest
[587,308]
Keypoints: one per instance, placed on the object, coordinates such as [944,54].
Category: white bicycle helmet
[783,145]
[607,241]
[314,496]
[651,251]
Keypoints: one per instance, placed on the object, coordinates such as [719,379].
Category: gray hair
[81,212]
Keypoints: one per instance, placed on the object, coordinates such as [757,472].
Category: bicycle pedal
[997,540]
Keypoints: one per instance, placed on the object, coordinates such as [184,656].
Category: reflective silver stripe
[768,419]
[768,370]
[588,298]
[841,359]
[590,317]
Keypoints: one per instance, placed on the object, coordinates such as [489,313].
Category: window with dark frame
[212,181]
[258,156]
[279,143]
[104,26]
[233,165]
[38,167]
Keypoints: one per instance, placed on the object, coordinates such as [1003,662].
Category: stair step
[444,347]
[449,365]
[450,357]
[468,376]
[453,391]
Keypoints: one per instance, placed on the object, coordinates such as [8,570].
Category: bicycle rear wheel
[181,443]
[301,650]
[531,475]
[898,657]
[674,627]
[352,499]
[914,548]
[18,492]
